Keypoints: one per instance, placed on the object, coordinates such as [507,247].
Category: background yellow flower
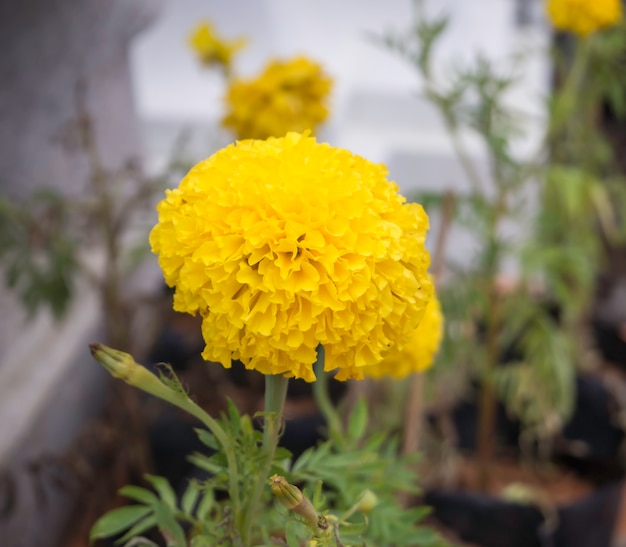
[418,354]
[583,17]
[285,244]
[211,48]
[287,96]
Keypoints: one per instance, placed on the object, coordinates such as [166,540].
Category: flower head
[287,96]
[584,17]
[285,244]
[211,48]
[418,353]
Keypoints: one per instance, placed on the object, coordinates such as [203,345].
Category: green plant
[38,264]
[48,238]
[578,197]
[352,479]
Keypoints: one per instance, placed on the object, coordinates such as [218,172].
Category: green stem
[227,446]
[463,156]
[567,98]
[275,394]
[485,435]
[487,403]
[320,391]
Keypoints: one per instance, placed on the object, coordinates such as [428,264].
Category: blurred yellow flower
[419,352]
[584,17]
[287,96]
[285,244]
[211,48]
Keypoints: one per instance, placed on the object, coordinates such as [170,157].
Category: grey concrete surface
[50,387]
[48,48]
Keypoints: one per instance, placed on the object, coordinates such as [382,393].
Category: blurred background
[96,94]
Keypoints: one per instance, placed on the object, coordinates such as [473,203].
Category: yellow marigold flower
[287,96]
[584,17]
[211,48]
[285,244]
[419,352]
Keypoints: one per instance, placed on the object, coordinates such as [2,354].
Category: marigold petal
[287,96]
[584,17]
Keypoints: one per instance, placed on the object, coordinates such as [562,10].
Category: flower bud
[367,502]
[293,499]
[121,365]
[118,363]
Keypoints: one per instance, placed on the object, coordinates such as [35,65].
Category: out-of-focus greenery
[48,238]
[39,259]
[566,198]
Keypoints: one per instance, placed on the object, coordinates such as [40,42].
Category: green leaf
[247,429]
[140,527]
[233,417]
[139,494]
[207,438]
[190,497]
[164,489]
[140,542]
[291,536]
[168,376]
[117,520]
[358,420]
[206,504]
[318,496]
[202,541]
[207,464]
[170,528]
[282,453]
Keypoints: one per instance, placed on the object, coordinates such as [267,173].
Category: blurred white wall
[170,84]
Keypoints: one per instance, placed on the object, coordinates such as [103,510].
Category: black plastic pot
[592,427]
[485,520]
[492,522]
[610,344]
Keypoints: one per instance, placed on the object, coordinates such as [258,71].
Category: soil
[543,483]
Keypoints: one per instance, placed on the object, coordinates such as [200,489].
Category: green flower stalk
[275,394]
